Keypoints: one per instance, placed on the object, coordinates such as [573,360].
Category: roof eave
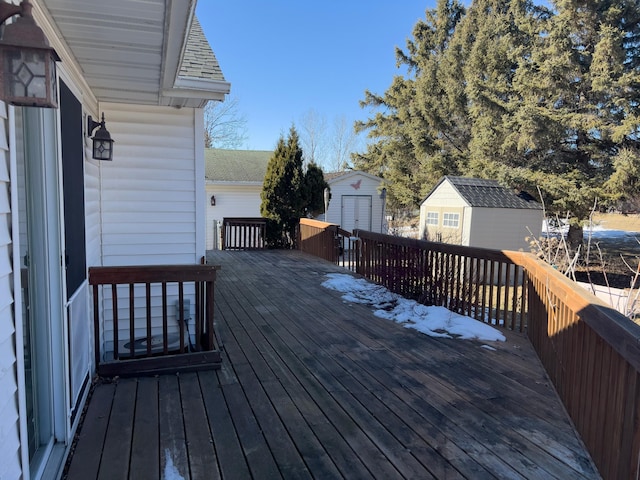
[241,183]
[197,90]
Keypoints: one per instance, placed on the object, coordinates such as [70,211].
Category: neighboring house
[233,181]
[479,213]
[357,201]
[148,67]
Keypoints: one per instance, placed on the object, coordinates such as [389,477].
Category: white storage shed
[479,213]
[357,201]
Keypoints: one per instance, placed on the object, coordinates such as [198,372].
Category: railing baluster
[198,314]
[132,321]
[181,317]
[148,308]
[114,306]
[165,322]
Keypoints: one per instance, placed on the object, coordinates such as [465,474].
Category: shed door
[356,212]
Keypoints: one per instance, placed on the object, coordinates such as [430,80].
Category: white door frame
[40,129]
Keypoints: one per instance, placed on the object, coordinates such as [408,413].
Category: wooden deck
[313,387]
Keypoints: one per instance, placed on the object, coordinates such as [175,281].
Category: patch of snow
[600,232]
[430,320]
[170,471]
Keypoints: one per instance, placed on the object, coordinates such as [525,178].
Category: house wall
[149,192]
[504,228]
[10,458]
[344,186]
[232,200]
[151,200]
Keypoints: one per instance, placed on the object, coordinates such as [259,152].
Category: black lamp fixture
[213,200]
[102,141]
[28,72]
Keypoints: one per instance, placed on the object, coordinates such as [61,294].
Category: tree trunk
[574,237]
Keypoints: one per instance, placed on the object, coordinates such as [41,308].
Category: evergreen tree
[314,185]
[283,195]
[420,132]
[514,91]
[580,89]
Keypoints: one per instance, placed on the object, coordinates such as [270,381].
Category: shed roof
[223,165]
[479,192]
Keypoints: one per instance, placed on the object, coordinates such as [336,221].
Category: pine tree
[283,195]
[314,185]
[420,134]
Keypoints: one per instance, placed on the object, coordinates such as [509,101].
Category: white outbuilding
[233,182]
[357,201]
[479,213]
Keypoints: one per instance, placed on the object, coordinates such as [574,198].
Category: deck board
[145,448]
[311,386]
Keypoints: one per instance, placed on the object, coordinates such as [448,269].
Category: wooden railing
[483,284]
[244,233]
[144,323]
[590,351]
[328,241]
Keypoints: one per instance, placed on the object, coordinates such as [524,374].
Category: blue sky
[285,58]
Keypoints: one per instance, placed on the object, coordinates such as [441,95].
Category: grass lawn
[617,221]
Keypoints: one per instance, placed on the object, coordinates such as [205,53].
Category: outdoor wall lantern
[102,141]
[28,71]
[213,200]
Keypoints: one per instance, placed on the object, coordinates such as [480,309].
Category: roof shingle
[479,192]
[236,165]
[199,61]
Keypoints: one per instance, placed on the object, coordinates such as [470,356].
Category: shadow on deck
[313,387]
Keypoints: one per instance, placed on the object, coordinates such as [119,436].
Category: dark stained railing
[328,241]
[143,318]
[590,351]
[481,283]
[244,233]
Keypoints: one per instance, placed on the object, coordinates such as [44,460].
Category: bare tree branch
[224,125]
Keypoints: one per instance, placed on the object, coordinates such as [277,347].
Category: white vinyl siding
[148,192]
[10,461]
[92,208]
[148,202]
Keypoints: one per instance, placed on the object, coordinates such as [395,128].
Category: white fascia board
[179,15]
[198,89]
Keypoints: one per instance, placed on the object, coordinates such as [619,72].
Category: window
[432,218]
[451,220]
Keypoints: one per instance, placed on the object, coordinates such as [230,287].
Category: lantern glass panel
[102,149]
[28,73]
